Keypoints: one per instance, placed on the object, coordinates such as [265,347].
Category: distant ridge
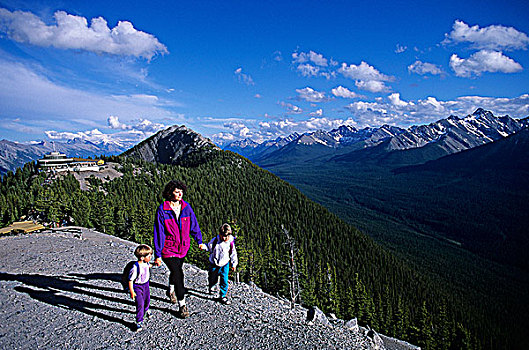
[510,153]
[448,136]
[174,145]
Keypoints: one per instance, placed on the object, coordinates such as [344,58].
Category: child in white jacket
[222,252]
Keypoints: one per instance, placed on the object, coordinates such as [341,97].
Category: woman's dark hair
[167,193]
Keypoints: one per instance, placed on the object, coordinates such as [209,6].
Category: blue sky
[121,70]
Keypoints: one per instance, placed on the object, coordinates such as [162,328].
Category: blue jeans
[213,276]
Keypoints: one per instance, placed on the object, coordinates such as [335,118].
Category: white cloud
[494,37]
[238,129]
[317,113]
[143,125]
[363,72]
[292,109]
[243,78]
[311,95]
[372,86]
[312,64]
[113,123]
[42,104]
[73,32]
[341,91]
[277,56]
[285,127]
[483,61]
[366,77]
[308,70]
[423,68]
[130,134]
[400,49]
[223,137]
[311,56]
[396,101]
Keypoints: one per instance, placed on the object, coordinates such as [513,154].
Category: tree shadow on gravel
[51,290]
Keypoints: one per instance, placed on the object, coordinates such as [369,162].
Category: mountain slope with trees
[341,270]
[460,218]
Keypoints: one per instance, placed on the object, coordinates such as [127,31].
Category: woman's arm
[159,235]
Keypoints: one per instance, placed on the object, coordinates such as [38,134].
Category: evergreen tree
[425,329]
[462,338]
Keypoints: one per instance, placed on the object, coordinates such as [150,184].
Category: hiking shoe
[139,327]
[225,301]
[212,289]
[172,296]
[183,312]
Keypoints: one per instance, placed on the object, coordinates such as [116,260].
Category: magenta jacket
[171,235]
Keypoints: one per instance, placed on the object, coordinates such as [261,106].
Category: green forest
[341,270]
[461,219]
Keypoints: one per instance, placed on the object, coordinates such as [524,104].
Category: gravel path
[61,289]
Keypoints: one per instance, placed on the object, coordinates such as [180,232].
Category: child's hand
[158,261]
[233,268]
[133,295]
[203,247]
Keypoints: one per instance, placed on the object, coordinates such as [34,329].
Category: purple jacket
[171,234]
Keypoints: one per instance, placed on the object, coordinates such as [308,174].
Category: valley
[459,219]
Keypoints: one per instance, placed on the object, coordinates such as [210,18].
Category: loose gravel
[60,289]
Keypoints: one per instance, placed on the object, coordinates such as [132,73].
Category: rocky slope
[174,145]
[61,289]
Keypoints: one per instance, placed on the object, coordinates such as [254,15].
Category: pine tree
[462,338]
[360,299]
[442,336]
[425,329]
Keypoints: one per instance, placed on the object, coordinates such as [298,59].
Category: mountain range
[445,136]
[398,197]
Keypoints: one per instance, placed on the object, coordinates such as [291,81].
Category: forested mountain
[460,218]
[341,270]
[14,155]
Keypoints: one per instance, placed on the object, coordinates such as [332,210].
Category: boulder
[352,325]
[314,314]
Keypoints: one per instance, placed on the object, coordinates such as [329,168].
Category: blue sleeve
[194,229]
[159,233]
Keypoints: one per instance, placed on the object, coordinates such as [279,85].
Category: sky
[122,70]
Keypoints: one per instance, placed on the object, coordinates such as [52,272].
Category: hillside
[460,218]
[80,304]
[341,270]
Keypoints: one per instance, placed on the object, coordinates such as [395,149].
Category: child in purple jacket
[139,283]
